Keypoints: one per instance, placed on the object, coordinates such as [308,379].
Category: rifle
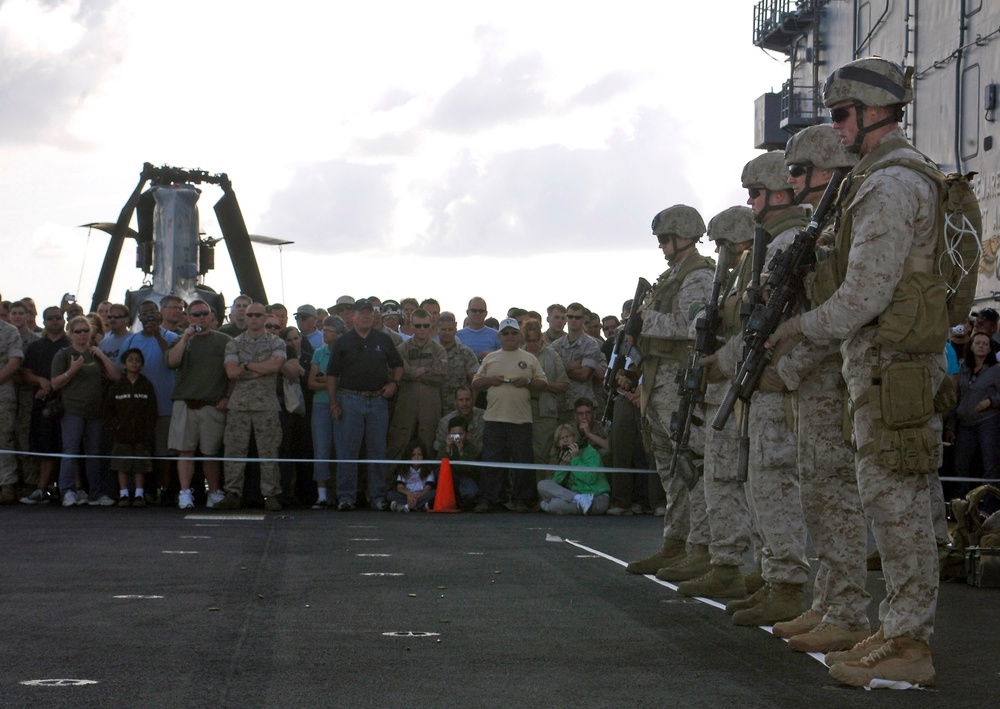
[624,353]
[691,381]
[789,268]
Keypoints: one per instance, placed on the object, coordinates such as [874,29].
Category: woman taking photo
[578,491]
[78,374]
[974,425]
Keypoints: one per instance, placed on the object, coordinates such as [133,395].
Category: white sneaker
[102,501]
[584,501]
[214,498]
[81,497]
[185,500]
[69,498]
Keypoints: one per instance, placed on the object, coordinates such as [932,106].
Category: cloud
[556,199]
[501,92]
[394,98]
[602,90]
[53,54]
[333,206]
[387,145]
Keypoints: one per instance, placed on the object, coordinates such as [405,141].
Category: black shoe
[346,506]
[381,505]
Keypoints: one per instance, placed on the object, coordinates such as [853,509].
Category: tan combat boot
[692,566]
[803,624]
[721,582]
[754,580]
[786,601]
[741,605]
[863,648]
[671,551]
[827,637]
[899,659]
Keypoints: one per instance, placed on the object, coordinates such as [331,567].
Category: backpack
[959,229]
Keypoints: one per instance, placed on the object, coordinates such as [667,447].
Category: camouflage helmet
[767,171]
[819,146]
[679,220]
[735,225]
[872,81]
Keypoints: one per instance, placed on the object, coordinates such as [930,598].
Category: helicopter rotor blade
[234,232]
[121,229]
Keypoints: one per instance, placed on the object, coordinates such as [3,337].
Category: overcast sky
[513,150]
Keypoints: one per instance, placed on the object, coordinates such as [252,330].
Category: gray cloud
[553,199]
[333,206]
[40,91]
[394,98]
[501,92]
[602,90]
[387,145]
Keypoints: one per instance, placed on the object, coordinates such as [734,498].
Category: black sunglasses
[840,114]
[754,192]
[255,315]
[797,170]
[196,313]
[421,324]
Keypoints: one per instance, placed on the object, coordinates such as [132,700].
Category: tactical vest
[738,279]
[928,317]
[663,299]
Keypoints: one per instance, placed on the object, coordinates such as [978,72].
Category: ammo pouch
[916,321]
[902,403]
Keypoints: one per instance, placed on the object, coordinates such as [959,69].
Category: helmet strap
[864,130]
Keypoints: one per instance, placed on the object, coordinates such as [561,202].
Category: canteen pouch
[916,321]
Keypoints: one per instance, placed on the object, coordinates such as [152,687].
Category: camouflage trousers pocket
[914,451]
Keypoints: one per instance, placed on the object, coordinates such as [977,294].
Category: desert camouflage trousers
[686,517]
[897,505]
[8,464]
[266,429]
[831,504]
[725,494]
[774,491]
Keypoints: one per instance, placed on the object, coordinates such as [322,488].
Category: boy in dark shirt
[130,414]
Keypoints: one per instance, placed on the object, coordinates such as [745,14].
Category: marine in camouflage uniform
[886,232]
[837,618]
[664,343]
[462,361]
[773,477]
[27,464]
[253,360]
[418,405]
[11,357]
[725,485]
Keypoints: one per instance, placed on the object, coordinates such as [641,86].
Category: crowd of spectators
[350,406]
[179,380]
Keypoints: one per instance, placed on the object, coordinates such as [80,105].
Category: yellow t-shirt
[507,403]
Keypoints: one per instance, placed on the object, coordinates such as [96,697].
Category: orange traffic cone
[444,499]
